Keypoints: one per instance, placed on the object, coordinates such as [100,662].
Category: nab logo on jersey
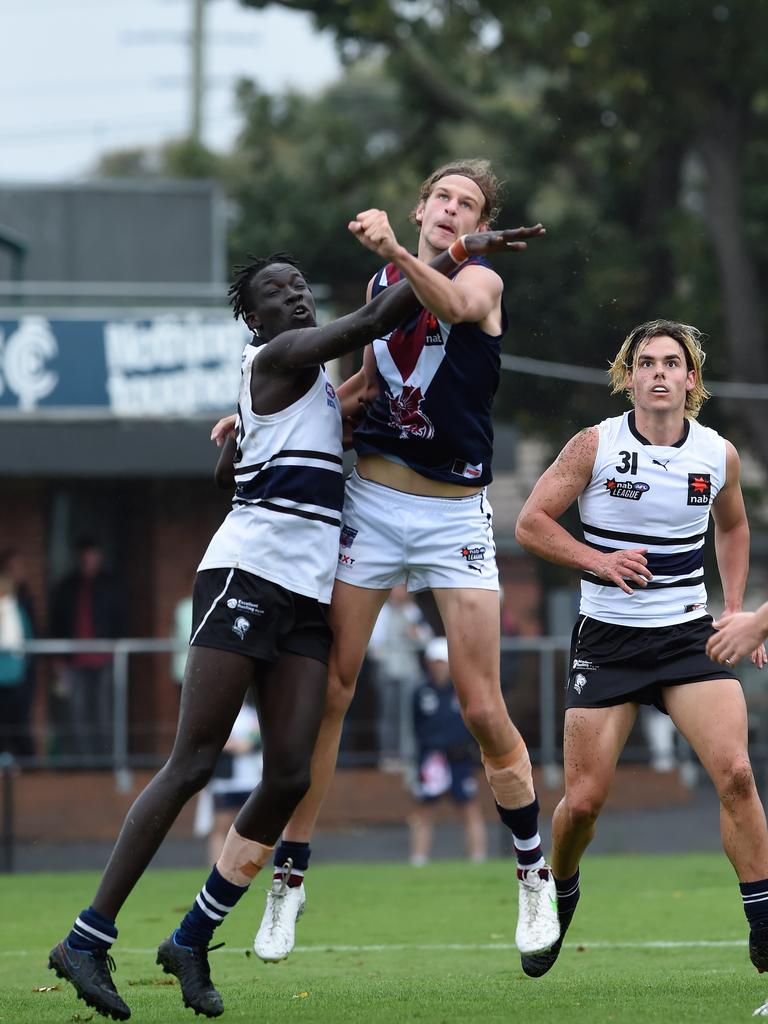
[699,489]
[432,333]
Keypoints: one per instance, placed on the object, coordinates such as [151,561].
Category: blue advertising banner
[164,364]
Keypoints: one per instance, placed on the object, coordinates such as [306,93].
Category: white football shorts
[389,537]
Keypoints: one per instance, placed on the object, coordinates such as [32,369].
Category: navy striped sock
[523,822]
[299,853]
[755,897]
[211,906]
[91,931]
[568,893]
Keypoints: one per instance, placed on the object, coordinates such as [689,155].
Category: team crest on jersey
[579,682]
[406,416]
[330,395]
[699,489]
[633,490]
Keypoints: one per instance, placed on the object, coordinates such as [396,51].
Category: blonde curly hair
[687,336]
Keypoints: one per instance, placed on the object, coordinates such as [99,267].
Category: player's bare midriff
[402,478]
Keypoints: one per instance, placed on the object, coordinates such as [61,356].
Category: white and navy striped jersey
[286,515]
[656,497]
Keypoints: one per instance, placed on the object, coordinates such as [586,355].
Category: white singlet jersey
[286,514]
[656,497]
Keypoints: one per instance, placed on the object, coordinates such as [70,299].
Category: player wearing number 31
[646,483]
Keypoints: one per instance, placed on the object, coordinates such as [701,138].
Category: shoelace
[205,950]
[106,956]
[533,880]
[286,870]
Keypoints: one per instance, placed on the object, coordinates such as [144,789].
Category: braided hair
[239,293]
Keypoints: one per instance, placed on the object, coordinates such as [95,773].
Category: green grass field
[655,939]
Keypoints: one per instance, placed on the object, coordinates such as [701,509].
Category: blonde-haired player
[646,483]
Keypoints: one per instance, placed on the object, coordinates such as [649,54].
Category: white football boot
[538,927]
[276,936]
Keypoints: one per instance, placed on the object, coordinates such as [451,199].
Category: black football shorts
[234,610]
[628,664]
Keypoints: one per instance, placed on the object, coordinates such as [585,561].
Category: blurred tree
[637,132]
[178,158]
[303,167]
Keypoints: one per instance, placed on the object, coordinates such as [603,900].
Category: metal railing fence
[122,762]
[533,686]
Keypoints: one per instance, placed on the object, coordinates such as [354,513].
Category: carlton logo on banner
[164,365]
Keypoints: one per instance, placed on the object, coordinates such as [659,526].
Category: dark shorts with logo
[233,610]
[626,664]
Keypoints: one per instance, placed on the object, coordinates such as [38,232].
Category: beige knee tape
[241,859]
[510,777]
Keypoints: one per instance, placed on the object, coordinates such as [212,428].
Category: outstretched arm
[468,297]
[310,346]
[556,490]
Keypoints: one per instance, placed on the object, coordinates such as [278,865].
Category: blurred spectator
[398,636]
[237,774]
[182,630]
[12,566]
[15,628]
[447,759]
[659,731]
[84,606]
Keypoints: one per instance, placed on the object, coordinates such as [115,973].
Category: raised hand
[508,240]
[619,566]
[372,229]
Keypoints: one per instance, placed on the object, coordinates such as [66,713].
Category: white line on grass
[461,947]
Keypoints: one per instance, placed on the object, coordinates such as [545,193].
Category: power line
[103,85]
[107,127]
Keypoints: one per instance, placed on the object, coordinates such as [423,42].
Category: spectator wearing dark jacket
[85,607]
[447,758]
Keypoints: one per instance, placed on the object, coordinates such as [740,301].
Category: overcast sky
[84,76]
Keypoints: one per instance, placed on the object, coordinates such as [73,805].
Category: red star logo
[610,484]
[465,552]
[700,485]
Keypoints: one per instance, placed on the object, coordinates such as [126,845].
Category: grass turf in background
[375,945]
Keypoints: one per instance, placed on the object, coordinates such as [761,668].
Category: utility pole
[197,71]
[196,40]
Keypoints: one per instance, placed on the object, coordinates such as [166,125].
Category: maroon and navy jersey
[436,387]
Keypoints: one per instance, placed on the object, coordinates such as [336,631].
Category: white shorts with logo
[389,537]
